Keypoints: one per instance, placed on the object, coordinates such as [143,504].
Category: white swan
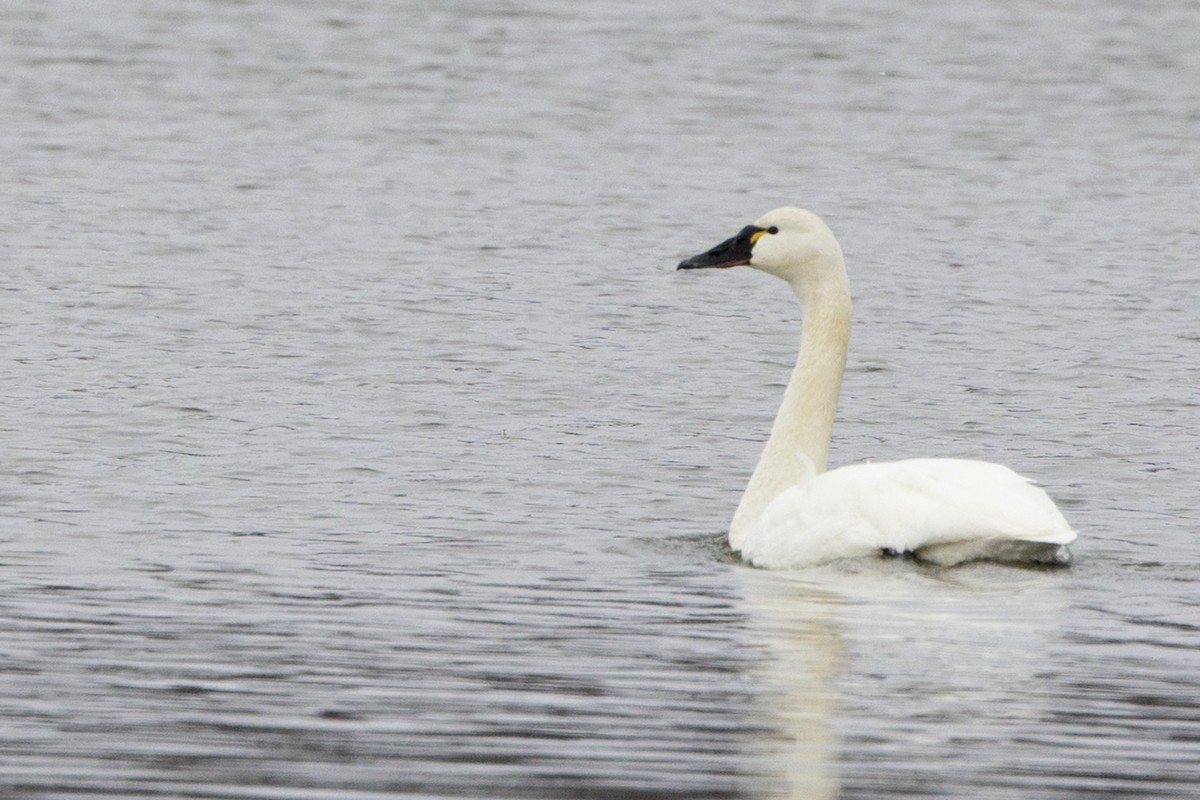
[793,513]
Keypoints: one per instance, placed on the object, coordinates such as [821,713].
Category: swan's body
[793,513]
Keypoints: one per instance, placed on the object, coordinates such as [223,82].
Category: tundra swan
[793,513]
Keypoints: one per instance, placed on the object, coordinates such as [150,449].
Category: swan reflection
[909,643]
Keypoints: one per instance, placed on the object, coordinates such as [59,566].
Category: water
[359,440]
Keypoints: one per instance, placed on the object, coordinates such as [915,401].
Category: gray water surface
[360,441]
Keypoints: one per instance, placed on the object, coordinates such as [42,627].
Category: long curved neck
[799,439]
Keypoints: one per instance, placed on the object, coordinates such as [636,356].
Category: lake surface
[360,441]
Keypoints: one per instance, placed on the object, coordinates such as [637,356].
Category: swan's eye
[772,229]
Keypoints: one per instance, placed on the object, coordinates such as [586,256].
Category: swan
[793,513]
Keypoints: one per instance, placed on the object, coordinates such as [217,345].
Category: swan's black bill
[729,253]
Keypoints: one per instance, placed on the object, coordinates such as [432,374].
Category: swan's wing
[951,509]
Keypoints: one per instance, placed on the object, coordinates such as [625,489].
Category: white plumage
[793,513]
[943,510]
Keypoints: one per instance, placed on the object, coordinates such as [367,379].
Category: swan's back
[944,510]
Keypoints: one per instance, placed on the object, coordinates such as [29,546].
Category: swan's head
[789,242]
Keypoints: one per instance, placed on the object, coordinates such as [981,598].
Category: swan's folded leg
[1005,551]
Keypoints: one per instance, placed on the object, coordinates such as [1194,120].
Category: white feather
[943,510]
